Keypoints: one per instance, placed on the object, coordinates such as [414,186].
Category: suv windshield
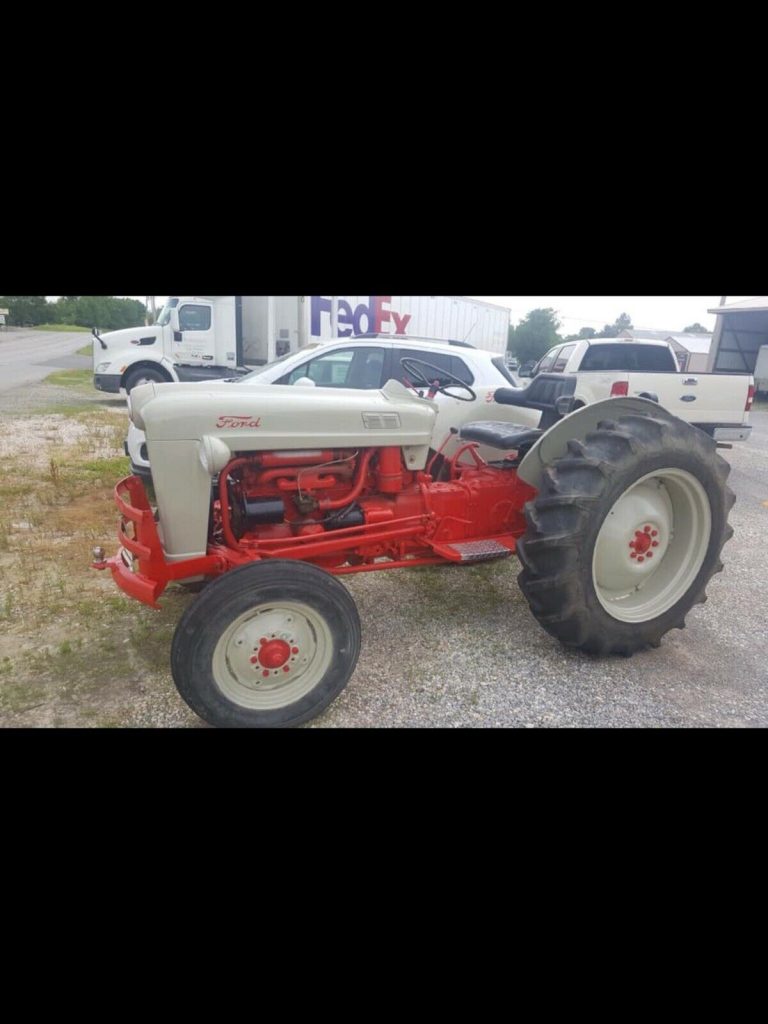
[250,377]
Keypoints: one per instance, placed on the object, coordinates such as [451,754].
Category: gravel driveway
[458,647]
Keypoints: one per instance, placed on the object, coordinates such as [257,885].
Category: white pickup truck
[718,403]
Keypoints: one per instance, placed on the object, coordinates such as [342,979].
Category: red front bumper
[140,568]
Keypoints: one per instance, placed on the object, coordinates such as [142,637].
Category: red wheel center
[274,653]
[642,542]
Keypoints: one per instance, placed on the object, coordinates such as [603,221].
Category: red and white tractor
[618,513]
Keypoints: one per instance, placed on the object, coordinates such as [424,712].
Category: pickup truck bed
[717,403]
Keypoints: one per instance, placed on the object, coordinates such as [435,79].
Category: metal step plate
[478,550]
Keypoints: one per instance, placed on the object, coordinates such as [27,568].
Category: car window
[343,368]
[562,358]
[501,366]
[629,358]
[460,369]
[453,364]
[194,318]
[546,362]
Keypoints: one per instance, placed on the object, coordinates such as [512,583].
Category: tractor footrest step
[475,550]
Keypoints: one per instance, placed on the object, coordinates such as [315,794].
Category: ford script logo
[688,398]
[237,422]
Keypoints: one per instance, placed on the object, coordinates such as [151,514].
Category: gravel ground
[458,647]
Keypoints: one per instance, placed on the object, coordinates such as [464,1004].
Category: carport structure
[740,331]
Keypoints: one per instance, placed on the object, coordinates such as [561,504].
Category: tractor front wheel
[267,645]
[625,534]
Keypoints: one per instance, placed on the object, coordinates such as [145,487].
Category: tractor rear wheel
[267,645]
[625,534]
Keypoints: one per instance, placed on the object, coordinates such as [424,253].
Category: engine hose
[326,504]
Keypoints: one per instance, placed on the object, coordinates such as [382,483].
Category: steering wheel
[436,384]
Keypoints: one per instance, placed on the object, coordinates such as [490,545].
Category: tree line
[537,333]
[103,311]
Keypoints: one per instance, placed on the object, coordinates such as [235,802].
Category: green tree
[26,309]
[534,335]
[696,329]
[621,323]
[103,311]
[585,332]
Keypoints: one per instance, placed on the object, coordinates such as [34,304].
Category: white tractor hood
[256,417]
[194,430]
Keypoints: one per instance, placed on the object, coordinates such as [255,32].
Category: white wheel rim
[272,655]
[651,545]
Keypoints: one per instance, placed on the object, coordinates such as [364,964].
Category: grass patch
[73,649]
[70,378]
[86,350]
[69,328]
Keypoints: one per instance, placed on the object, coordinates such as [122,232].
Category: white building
[741,331]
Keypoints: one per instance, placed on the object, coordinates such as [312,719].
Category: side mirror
[174,320]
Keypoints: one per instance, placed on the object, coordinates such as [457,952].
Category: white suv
[367,363]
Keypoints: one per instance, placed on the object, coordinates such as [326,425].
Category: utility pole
[151,310]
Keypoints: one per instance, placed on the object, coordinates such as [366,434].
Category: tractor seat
[542,394]
[506,436]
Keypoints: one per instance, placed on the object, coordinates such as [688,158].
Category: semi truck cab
[194,339]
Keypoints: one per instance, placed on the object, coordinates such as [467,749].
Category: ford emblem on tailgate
[688,398]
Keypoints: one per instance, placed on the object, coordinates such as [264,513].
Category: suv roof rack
[405,337]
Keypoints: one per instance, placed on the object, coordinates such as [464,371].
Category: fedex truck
[204,337]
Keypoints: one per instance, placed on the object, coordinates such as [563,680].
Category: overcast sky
[648,312]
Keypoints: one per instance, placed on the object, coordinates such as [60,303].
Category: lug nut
[98,554]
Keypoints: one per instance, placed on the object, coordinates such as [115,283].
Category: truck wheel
[268,644]
[625,534]
[143,375]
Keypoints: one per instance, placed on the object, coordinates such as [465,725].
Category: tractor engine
[265,497]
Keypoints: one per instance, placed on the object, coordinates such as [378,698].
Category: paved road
[27,355]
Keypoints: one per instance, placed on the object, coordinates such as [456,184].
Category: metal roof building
[692,350]
[741,330]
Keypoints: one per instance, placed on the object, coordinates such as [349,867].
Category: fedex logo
[376,313]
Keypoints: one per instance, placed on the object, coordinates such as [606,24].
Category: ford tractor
[262,496]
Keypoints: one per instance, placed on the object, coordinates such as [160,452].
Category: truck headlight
[102,367]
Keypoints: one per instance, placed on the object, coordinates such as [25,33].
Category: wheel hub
[639,525]
[651,545]
[642,543]
[272,653]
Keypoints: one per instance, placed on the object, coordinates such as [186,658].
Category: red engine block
[345,510]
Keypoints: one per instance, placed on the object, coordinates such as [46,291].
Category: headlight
[102,367]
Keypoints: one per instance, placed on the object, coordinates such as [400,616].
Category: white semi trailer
[205,337]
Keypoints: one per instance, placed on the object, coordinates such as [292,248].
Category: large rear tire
[625,534]
[270,644]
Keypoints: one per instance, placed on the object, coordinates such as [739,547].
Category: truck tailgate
[712,398]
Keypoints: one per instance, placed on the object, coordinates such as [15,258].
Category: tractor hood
[265,416]
[193,431]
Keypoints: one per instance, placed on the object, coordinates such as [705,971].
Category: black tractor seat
[506,436]
[542,394]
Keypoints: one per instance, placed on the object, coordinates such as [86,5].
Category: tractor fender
[554,443]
